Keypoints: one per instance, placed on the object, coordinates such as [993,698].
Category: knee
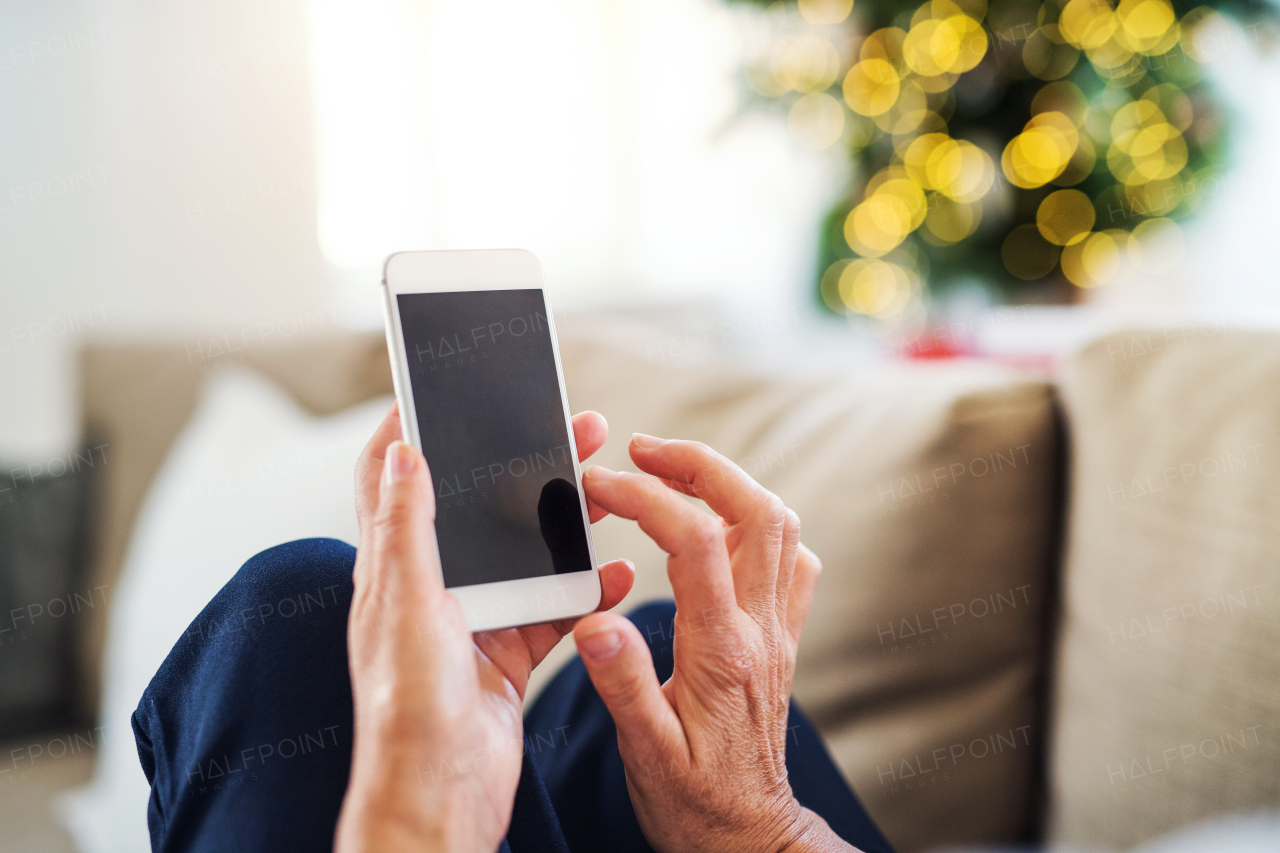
[306,577]
[326,562]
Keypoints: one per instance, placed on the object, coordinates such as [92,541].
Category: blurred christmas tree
[1031,147]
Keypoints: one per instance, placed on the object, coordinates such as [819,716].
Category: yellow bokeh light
[935,85]
[907,123]
[899,118]
[1067,135]
[1040,153]
[951,221]
[1134,116]
[1027,255]
[1154,198]
[907,197]
[1101,258]
[825,11]
[876,288]
[924,12]
[1121,166]
[951,45]
[1158,152]
[961,171]
[1073,265]
[1146,26]
[868,231]
[884,44]
[816,120]
[1048,57]
[1145,146]
[807,63]
[901,85]
[1197,24]
[963,39]
[1062,97]
[916,158]
[1065,217]
[976,9]
[1173,104]
[1157,246]
[1111,57]
[862,133]
[1087,24]
[1080,166]
[919,48]
[888,173]
[893,208]
[871,87]
[901,81]
[761,78]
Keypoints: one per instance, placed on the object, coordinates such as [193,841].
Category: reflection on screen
[487,398]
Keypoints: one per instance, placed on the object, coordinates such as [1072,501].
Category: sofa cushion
[929,494]
[1167,693]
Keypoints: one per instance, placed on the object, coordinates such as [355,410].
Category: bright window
[607,136]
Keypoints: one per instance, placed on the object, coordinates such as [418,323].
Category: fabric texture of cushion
[1167,686]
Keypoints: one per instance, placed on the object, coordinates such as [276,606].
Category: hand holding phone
[477,375]
[437,709]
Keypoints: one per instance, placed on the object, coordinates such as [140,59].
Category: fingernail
[599,472]
[601,644]
[399,462]
[648,442]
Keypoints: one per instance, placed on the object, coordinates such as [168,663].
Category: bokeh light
[1027,254]
[825,11]
[816,120]
[1032,142]
[1157,246]
[871,87]
[1065,217]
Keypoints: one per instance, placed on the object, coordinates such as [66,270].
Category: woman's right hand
[705,752]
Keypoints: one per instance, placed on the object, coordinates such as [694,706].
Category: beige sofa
[1049,610]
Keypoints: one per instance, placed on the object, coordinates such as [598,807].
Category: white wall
[190,128]
[167,167]
[158,167]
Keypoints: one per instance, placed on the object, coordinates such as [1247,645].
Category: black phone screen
[487,397]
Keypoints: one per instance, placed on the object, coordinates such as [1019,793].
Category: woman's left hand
[438,711]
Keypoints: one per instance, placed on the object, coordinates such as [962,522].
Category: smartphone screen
[482,368]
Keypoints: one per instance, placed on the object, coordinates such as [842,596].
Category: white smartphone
[477,374]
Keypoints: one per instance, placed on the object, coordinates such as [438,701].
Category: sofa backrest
[930,493]
[1166,700]
[135,399]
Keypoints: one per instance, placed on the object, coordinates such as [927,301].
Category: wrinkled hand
[438,728]
[705,752]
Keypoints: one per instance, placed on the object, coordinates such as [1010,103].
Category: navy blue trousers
[245,732]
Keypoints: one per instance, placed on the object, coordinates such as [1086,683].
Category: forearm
[383,813]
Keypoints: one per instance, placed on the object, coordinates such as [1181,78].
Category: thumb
[404,523]
[621,668]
